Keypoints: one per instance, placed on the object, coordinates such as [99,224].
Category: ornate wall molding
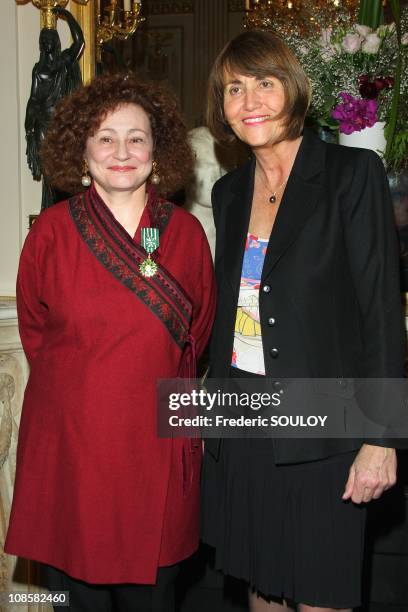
[16,575]
[171,7]
[7,392]
[210,35]
[236,6]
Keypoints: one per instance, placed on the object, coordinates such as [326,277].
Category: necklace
[274,194]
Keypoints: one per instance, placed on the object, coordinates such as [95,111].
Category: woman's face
[119,154]
[250,106]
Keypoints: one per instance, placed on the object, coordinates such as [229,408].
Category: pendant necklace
[274,194]
[272,199]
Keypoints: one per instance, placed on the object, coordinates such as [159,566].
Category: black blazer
[330,302]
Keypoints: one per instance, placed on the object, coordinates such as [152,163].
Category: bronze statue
[55,75]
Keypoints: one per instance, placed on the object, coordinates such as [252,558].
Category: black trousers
[85,597]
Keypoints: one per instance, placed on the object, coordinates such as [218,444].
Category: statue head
[50,43]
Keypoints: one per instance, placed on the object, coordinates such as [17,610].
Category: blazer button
[274,353]
[266,288]
[271,321]
[278,386]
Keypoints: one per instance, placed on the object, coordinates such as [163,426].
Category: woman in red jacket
[107,305]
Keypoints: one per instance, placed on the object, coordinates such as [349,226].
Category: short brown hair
[259,54]
[79,115]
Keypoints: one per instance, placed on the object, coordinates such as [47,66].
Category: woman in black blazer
[308,286]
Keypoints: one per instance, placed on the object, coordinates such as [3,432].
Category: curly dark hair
[79,115]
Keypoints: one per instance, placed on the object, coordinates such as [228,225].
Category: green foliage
[393,117]
[371,13]
[397,156]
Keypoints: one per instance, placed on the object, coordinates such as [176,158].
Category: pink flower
[363,30]
[328,50]
[404,39]
[355,114]
[371,44]
[325,36]
[351,43]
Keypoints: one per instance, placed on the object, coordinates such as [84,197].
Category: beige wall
[10,158]
[20,195]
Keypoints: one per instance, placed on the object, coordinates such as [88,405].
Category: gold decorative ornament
[303,17]
[117,22]
[85,16]
[48,19]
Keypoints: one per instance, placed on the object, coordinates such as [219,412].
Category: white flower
[351,43]
[404,39]
[371,44]
[328,53]
[385,29]
[363,30]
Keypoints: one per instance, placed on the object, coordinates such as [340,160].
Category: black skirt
[284,529]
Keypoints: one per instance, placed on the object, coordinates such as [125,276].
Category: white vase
[370,138]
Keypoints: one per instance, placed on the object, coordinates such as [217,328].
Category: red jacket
[97,494]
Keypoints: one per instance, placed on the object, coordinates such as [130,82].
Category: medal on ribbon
[150,242]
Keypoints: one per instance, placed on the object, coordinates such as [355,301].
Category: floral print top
[248,351]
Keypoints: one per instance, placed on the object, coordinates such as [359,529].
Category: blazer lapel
[299,201]
[298,204]
[237,222]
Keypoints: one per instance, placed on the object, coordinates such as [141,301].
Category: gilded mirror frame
[85,15]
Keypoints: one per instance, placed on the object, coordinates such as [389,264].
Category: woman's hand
[373,471]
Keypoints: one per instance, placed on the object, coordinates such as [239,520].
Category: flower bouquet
[359,76]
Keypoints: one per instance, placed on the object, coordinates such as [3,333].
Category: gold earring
[155,176]
[86,179]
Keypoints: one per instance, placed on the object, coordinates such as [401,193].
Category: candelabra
[294,15]
[48,19]
[116,22]
[263,14]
